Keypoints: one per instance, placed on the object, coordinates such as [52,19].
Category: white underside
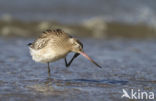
[45,55]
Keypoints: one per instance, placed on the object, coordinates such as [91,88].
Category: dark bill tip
[90,59]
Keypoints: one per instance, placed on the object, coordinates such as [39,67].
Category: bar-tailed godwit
[53,45]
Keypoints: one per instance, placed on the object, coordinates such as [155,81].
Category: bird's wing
[47,35]
[57,33]
[40,43]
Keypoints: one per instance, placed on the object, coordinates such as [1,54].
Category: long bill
[90,59]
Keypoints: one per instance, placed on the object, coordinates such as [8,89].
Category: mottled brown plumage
[53,45]
[56,35]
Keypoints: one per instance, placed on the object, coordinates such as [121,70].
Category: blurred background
[95,18]
[118,34]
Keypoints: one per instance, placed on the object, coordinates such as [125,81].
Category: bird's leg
[65,60]
[68,64]
[48,68]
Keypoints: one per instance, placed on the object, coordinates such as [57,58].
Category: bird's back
[54,36]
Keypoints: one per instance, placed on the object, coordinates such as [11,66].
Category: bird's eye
[80,47]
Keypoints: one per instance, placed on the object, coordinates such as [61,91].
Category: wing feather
[57,35]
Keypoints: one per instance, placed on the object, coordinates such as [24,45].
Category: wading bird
[53,45]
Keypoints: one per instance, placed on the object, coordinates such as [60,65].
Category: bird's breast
[48,54]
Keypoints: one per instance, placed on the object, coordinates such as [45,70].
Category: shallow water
[126,64]
[129,11]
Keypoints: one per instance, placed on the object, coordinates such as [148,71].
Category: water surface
[126,64]
[129,11]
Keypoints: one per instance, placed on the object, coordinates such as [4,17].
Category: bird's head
[77,47]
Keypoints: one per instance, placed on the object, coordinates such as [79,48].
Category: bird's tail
[29,44]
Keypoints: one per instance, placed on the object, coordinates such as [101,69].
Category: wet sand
[126,64]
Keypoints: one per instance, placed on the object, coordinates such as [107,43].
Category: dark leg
[48,68]
[68,64]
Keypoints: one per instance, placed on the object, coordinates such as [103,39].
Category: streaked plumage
[47,47]
[53,45]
